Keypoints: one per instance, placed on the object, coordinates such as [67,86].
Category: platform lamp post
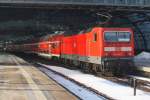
[134,85]
[1,45]
[6,45]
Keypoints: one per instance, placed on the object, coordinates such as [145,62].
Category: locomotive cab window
[95,37]
[117,36]
[110,36]
[124,36]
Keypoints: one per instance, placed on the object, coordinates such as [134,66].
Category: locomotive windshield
[117,36]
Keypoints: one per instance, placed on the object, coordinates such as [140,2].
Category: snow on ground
[81,92]
[111,89]
[143,59]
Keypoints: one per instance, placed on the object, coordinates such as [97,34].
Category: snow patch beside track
[81,92]
[111,89]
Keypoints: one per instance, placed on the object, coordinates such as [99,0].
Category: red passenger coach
[43,46]
[50,46]
[55,43]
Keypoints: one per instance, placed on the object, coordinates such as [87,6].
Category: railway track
[101,95]
[77,89]
[142,84]
[125,81]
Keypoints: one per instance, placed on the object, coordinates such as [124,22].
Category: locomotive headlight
[129,54]
[106,54]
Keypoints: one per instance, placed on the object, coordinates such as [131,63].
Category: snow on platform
[111,89]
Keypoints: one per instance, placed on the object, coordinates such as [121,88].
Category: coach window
[95,37]
[53,45]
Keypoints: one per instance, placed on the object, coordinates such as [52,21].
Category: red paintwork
[83,44]
[66,45]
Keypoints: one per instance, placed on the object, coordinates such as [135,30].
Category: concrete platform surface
[22,81]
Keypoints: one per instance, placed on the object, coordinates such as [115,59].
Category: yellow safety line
[38,94]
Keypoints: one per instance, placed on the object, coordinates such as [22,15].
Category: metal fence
[145,3]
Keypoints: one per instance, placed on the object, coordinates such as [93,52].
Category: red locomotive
[105,50]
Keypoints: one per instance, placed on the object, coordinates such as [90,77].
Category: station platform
[20,80]
[142,63]
[143,70]
[142,67]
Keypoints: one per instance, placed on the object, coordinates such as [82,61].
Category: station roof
[27,23]
[142,3]
[81,4]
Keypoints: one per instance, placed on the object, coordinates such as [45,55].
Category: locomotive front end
[118,51]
